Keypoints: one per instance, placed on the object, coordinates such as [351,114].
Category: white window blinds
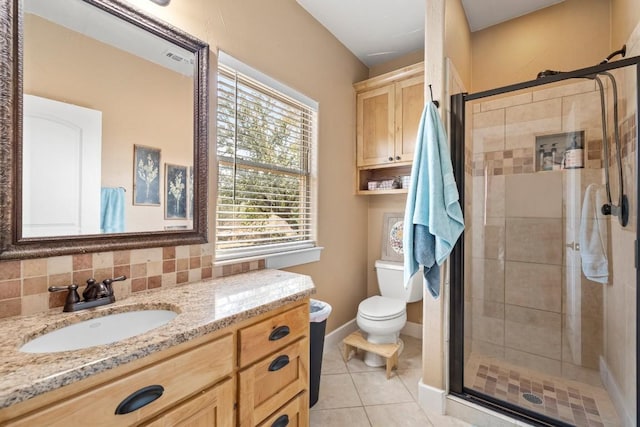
[264,169]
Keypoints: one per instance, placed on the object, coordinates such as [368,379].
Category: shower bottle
[573,156]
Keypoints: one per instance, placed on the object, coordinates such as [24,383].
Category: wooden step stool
[356,341]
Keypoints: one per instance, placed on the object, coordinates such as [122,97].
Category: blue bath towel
[433,217]
[112,210]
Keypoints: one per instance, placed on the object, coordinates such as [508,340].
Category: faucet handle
[115,279]
[72,296]
[108,282]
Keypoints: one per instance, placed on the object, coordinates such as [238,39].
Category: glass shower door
[549,300]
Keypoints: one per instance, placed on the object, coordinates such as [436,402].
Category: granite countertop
[203,307]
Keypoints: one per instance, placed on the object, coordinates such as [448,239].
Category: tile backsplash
[24,283]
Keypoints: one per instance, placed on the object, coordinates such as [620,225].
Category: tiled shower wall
[619,361]
[520,225]
[24,283]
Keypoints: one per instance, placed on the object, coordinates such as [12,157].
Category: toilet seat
[380,308]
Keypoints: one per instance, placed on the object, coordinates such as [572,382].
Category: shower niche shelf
[560,151]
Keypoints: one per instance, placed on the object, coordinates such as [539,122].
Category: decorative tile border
[24,283]
[507,162]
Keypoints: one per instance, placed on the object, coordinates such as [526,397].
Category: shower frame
[456,312]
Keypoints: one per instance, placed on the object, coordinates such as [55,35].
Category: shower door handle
[573,245]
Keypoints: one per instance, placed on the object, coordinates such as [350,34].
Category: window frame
[282,254]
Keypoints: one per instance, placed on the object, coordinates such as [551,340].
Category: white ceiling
[377,31]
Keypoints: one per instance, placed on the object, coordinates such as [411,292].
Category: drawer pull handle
[278,333]
[282,421]
[140,398]
[279,363]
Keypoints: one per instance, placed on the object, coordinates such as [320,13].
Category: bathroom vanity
[236,354]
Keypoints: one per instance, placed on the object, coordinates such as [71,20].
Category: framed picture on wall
[392,226]
[146,175]
[175,191]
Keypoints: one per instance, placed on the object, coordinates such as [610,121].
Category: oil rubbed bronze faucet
[95,294]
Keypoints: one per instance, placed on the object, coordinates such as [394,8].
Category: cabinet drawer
[269,335]
[293,414]
[210,408]
[268,384]
[180,375]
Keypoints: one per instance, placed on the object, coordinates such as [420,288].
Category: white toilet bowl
[381,318]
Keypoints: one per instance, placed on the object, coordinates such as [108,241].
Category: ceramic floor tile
[375,389]
[332,362]
[411,356]
[351,417]
[397,415]
[337,391]
[410,378]
[446,421]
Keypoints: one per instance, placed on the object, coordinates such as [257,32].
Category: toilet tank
[390,277]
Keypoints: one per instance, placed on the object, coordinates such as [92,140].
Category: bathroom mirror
[104,129]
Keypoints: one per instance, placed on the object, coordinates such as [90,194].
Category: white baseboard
[336,336]
[412,329]
[617,396]
[432,399]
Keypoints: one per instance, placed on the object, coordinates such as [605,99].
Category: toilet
[381,317]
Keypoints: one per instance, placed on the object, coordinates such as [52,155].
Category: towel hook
[436,103]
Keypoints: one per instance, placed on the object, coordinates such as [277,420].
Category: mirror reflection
[108,125]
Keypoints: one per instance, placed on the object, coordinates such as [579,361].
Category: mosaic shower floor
[570,401]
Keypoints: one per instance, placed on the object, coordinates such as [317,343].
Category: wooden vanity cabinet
[180,375]
[259,365]
[274,370]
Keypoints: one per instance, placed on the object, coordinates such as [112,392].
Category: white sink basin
[98,331]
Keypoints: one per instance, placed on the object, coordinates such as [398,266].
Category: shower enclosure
[543,284]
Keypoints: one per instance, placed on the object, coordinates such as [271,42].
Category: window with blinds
[264,169]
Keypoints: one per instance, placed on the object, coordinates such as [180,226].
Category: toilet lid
[381,308]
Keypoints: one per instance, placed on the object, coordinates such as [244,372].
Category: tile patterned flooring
[570,401]
[353,394]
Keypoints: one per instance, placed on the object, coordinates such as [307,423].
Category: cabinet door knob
[282,421]
[278,333]
[397,157]
[279,363]
[391,159]
[140,398]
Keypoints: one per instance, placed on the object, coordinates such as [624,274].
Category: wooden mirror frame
[12,246]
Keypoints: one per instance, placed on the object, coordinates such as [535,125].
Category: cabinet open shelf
[380,174]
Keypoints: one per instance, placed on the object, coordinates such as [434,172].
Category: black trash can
[318,313]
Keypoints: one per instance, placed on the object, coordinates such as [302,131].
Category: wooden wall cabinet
[259,366]
[388,109]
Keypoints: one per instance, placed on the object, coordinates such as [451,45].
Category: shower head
[547,73]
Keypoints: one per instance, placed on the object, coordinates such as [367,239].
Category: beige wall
[397,63]
[69,67]
[625,15]
[457,40]
[567,36]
